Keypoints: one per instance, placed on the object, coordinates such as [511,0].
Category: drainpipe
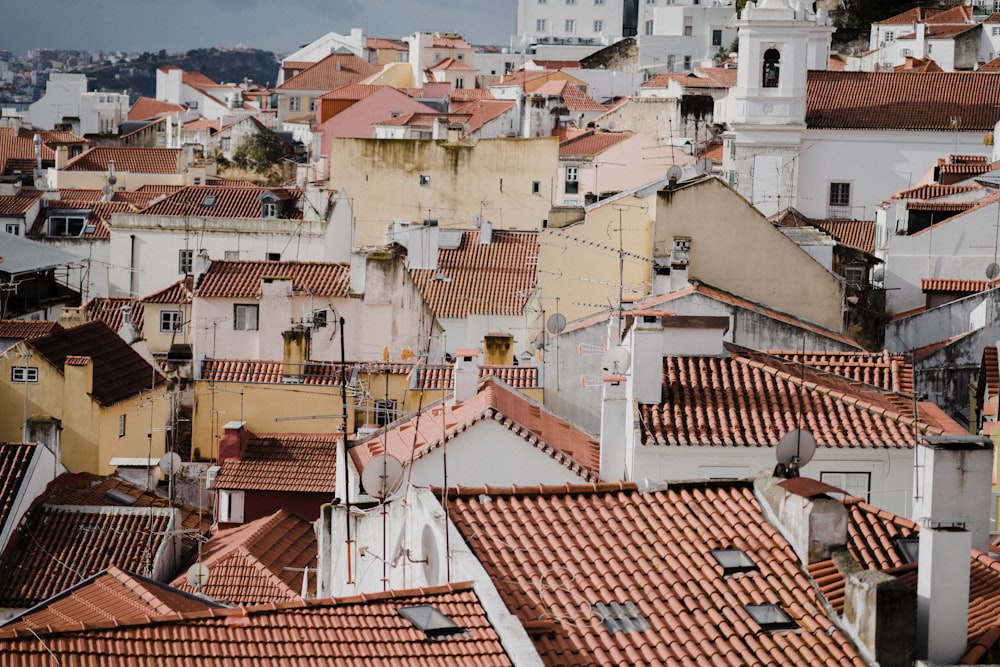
[131,266]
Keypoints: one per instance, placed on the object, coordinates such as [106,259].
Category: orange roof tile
[20,148]
[286,462]
[241,279]
[223,202]
[334,71]
[443,377]
[416,436]
[112,595]
[858,234]
[459,96]
[452,64]
[20,203]
[258,562]
[934,190]
[560,557]
[991,66]
[496,277]
[14,460]
[100,213]
[483,111]
[901,100]
[270,372]
[179,292]
[109,310]
[918,65]
[962,285]
[750,399]
[382,43]
[365,629]
[352,91]
[914,15]
[146,108]
[886,370]
[591,143]
[134,159]
[27,329]
[573,98]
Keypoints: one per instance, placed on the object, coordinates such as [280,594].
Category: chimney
[951,500]
[62,157]
[614,448]
[234,442]
[274,311]
[79,373]
[202,262]
[485,232]
[297,351]
[498,349]
[440,129]
[128,331]
[813,523]
[466,374]
[879,612]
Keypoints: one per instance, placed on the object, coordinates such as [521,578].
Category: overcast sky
[273,25]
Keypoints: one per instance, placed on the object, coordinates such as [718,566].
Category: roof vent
[770,617]
[733,561]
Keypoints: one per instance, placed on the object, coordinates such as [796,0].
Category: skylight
[624,617]
[208,201]
[770,617]
[430,621]
[908,548]
[733,561]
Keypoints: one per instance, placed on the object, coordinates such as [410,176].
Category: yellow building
[457,182]
[109,401]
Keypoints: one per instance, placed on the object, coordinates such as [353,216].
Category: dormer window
[268,209]
[772,67]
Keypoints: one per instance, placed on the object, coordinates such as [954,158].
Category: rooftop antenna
[796,448]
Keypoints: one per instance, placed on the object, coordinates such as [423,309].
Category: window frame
[185,261]
[121,425]
[828,477]
[241,321]
[170,320]
[24,374]
[838,199]
[570,27]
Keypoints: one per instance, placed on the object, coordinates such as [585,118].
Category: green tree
[260,152]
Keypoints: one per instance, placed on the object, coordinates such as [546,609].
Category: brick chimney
[234,442]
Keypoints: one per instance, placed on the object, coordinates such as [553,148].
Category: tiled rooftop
[483,111]
[752,399]
[134,159]
[110,596]
[258,562]
[414,437]
[573,98]
[109,310]
[19,204]
[858,234]
[556,554]
[443,377]
[362,630]
[497,277]
[100,213]
[954,285]
[20,146]
[235,279]
[14,460]
[286,462]
[901,100]
[147,108]
[702,77]
[256,370]
[179,292]
[119,371]
[591,143]
[886,370]
[934,190]
[335,70]
[27,329]
[215,201]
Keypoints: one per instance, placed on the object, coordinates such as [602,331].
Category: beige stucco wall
[734,248]
[95,180]
[488,177]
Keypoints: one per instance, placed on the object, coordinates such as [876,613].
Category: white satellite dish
[616,361]
[992,271]
[170,463]
[674,173]
[197,576]
[556,323]
[796,447]
[704,165]
[382,476]
[429,550]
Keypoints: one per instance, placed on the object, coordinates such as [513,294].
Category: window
[598,2]
[224,143]
[13,228]
[687,62]
[855,276]
[245,317]
[540,25]
[273,256]
[908,548]
[385,411]
[193,104]
[459,82]
[536,187]
[185,262]
[269,209]
[542,2]
[295,104]
[570,2]
[232,255]
[319,319]
[572,180]
[840,200]
[24,374]
[171,321]
[772,67]
[312,105]
[425,180]
[570,26]
[121,426]
[890,37]
[856,484]
[649,27]
[733,560]
[770,617]
[598,26]
[995,30]
[716,38]
[67,224]
[688,31]
[231,506]
[732,149]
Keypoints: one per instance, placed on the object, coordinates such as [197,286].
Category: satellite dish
[431,558]
[992,271]
[796,447]
[382,476]
[556,323]
[616,361]
[170,463]
[674,173]
[704,166]
[197,576]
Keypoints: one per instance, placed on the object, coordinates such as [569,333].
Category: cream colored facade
[510,182]
[91,434]
[731,246]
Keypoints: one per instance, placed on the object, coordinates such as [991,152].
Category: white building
[591,23]
[67,103]
[680,37]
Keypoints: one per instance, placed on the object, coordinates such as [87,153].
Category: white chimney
[466,374]
[485,232]
[615,413]
[128,332]
[943,594]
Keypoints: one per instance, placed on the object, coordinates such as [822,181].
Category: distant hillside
[138,76]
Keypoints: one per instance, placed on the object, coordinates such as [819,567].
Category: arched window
[772,67]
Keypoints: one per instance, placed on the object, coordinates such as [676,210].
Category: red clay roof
[119,371]
[459,96]
[750,399]
[27,329]
[271,372]
[219,201]
[239,279]
[100,214]
[443,377]
[555,554]
[112,595]
[483,111]
[179,292]
[20,148]
[258,562]
[134,159]
[858,234]
[416,436]
[573,98]
[965,286]
[452,64]
[286,462]
[591,143]
[14,460]
[934,190]
[334,71]
[361,630]
[496,277]
[146,108]
[352,91]
[20,203]
[886,370]
[109,310]
[901,100]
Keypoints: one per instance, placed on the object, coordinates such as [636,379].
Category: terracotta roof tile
[27,329]
[334,71]
[933,191]
[591,143]
[443,377]
[991,66]
[573,98]
[147,108]
[20,203]
[110,596]
[414,437]
[483,111]
[750,399]
[452,64]
[462,95]
[14,460]
[287,462]
[555,554]
[954,285]
[497,277]
[224,202]
[241,279]
[886,370]
[271,372]
[901,100]
[134,159]
[119,371]
[918,65]
[858,234]
[365,629]
[352,91]
[109,310]
[180,292]
[100,213]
